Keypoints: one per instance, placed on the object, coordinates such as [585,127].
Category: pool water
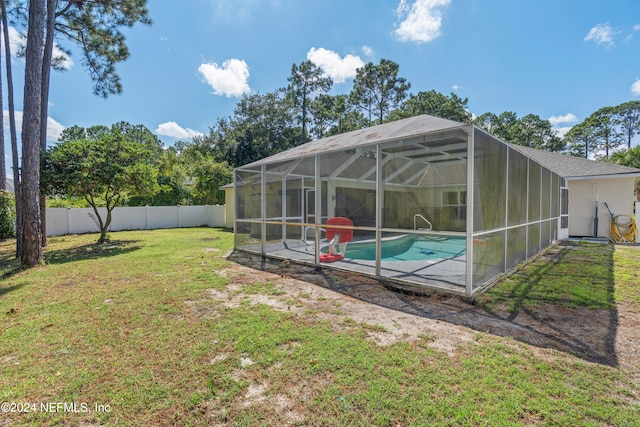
[410,248]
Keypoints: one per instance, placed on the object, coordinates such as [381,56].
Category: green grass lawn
[580,275]
[130,326]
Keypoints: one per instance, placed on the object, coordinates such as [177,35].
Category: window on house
[455,202]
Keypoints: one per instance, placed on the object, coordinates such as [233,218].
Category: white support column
[526,252]
[470,210]
[317,217]
[235,207]
[303,207]
[284,207]
[540,197]
[506,211]
[379,208]
[263,207]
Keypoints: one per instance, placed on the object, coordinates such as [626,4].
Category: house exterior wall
[638,220]
[616,192]
[229,213]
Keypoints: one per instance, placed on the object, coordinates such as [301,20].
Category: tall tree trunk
[3,169]
[32,249]
[46,74]
[12,128]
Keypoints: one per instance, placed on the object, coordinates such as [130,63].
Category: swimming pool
[409,248]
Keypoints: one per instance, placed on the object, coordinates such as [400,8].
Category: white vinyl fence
[81,220]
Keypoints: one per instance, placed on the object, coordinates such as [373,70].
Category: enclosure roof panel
[572,167]
[399,129]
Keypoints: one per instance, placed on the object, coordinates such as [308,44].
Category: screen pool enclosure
[424,203]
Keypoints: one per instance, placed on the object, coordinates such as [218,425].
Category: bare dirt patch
[386,325]
[258,395]
[610,337]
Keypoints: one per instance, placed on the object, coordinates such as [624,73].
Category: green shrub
[7,214]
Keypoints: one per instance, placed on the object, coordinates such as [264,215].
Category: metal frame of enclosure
[435,204]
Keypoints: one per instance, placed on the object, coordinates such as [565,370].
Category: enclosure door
[563,227]
[310,206]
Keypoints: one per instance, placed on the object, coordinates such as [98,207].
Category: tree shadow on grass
[91,251]
[563,301]
[6,289]
[10,266]
[586,332]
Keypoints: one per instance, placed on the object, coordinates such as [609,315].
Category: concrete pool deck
[447,274]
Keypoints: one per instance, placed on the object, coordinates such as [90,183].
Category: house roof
[400,129]
[573,167]
[444,146]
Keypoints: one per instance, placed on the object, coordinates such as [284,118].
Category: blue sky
[559,59]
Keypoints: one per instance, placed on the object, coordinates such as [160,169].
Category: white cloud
[367,50]
[567,118]
[562,131]
[54,129]
[630,36]
[635,87]
[602,34]
[174,130]
[61,59]
[229,80]
[456,87]
[234,10]
[421,21]
[18,42]
[339,69]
